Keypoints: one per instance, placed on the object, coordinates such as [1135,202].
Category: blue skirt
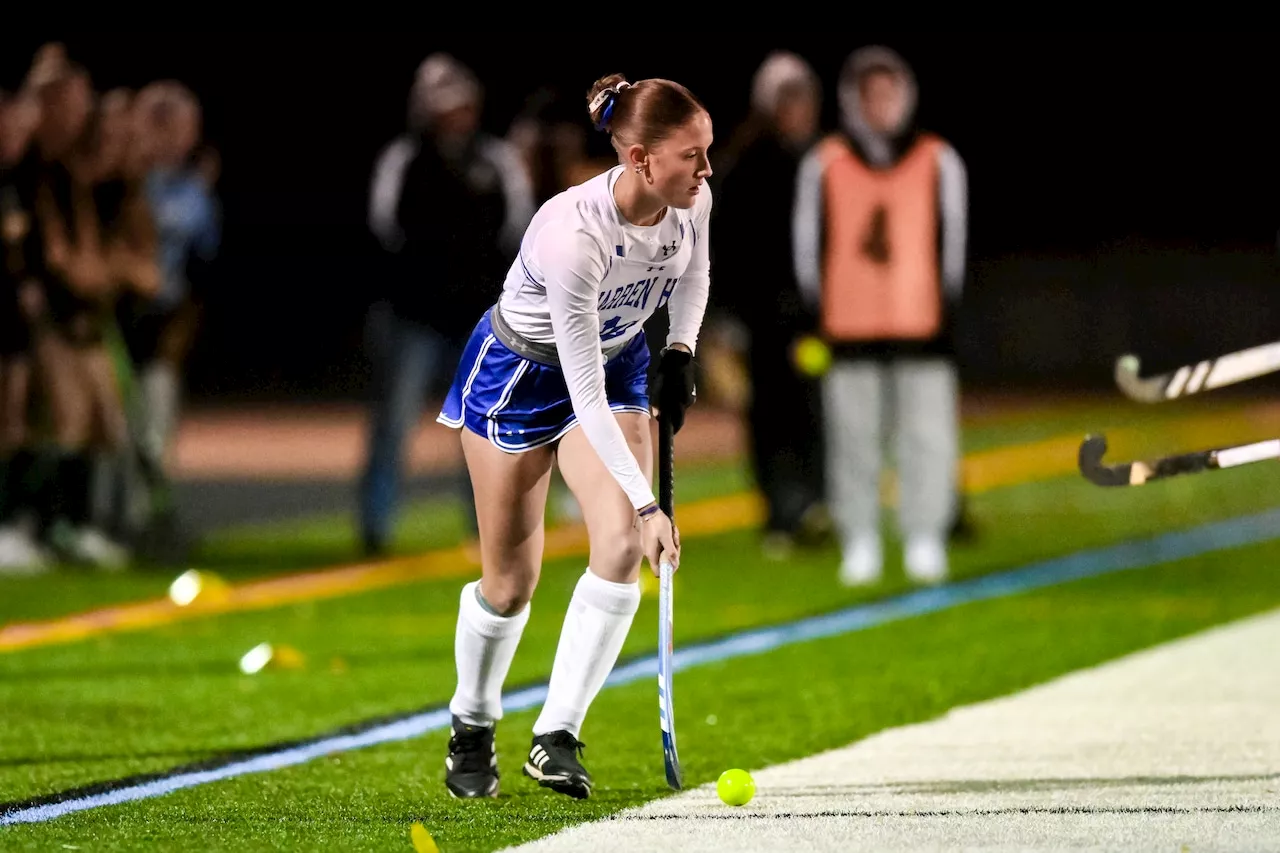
[519,404]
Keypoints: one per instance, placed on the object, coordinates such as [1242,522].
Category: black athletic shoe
[553,761]
[472,763]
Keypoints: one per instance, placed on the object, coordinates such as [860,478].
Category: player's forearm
[687,308]
[600,426]
[575,321]
[584,376]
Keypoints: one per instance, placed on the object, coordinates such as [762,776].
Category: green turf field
[147,701]
[275,548]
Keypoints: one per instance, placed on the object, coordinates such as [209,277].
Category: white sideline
[1173,748]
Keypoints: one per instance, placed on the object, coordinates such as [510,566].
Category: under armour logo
[615,328]
[667,251]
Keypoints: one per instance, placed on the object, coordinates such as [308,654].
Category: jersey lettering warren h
[633,289]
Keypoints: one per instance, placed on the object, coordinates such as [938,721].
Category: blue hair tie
[608,112]
[609,97]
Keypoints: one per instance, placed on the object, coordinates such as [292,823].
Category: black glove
[673,390]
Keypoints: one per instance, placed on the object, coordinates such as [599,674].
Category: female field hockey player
[556,372]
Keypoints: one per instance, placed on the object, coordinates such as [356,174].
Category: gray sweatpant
[917,401]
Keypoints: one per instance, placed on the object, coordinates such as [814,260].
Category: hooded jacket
[882,152]
[447,212]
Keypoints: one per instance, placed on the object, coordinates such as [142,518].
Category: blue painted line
[1234,533]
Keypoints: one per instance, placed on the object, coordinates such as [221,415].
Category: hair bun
[605,101]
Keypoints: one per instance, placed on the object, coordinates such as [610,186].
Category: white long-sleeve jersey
[586,280]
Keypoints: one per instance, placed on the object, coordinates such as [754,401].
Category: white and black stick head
[1149,390]
[1092,449]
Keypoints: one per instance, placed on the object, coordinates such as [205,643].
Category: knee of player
[619,550]
[508,593]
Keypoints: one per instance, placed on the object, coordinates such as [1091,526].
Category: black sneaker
[553,761]
[472,764]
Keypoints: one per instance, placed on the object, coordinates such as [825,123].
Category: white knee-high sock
[483,649]
[595,628]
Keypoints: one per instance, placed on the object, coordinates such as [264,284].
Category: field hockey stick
[1190,379]
[152,469]
[1139,472]
[666,644]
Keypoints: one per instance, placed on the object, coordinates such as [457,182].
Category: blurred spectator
[19,118]
[160,329]
[881,230]
[50,61]
[96,239]
[551,138]
[448,205]
[753,249]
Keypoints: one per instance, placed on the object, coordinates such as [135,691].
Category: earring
[639,170]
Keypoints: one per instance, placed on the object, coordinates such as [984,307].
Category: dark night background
[1125,189]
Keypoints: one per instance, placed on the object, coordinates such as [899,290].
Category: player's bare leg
[80,385]
[511,498]
[19,553]
[603,605]
[71,416]
[15,386]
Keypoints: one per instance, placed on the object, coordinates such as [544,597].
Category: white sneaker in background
[863,561]
[90,545]
[925,559]
[20,554]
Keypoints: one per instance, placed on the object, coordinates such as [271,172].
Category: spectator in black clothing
[20,553]
[752,244]
[448,205]
[96,241]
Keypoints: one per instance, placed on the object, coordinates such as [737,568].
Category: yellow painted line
[698,518]
[271,592]
[983,471]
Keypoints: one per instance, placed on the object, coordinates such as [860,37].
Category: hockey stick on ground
[1138,472]
[666,643]
[1194,378]
[151,467]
